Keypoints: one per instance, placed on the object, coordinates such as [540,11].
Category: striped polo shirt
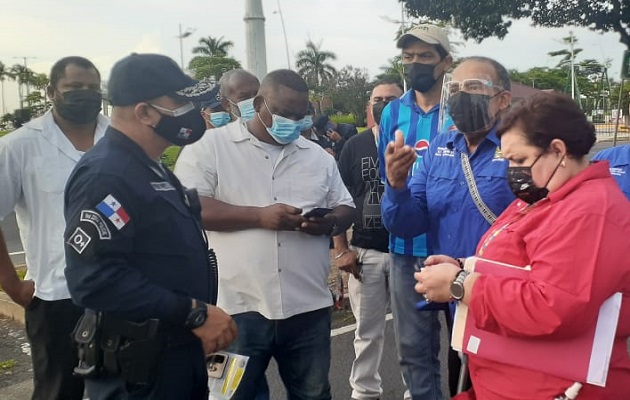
[419,128]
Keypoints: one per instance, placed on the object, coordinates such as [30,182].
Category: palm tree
[4,74]
[313,66]
[393,70]
[212,47]
[24,76]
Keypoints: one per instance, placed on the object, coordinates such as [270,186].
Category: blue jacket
[134,246]
[619,160]
[437,201]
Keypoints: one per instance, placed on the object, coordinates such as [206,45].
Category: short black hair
[503,77]
[284,77]
[388,80]
[59,69]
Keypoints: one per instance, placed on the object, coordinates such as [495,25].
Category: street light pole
[181,37]
[284,32]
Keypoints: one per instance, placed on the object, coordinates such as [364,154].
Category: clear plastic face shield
[469,102]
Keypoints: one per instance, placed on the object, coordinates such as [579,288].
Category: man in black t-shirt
[367,258]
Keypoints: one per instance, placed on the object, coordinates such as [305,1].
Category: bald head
[236,82]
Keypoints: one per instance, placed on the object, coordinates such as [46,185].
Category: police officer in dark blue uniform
[137,257]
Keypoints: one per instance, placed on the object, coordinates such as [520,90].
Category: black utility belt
[110,346]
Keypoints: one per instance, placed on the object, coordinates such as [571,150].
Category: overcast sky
[356,30]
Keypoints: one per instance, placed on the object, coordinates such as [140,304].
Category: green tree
[205,67]
[351,92]
[24,77]
[313,65]
[213,47]
[480,19]
[393,70]
[5,73]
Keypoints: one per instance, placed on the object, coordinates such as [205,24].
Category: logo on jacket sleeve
[114,211]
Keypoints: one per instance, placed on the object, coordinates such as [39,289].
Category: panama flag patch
[114,211]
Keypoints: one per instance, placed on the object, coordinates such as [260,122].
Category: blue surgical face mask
[307,122]
[245,108]
[221,118]
[283,130]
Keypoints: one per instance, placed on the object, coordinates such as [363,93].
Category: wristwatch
[197,315]
[457,287]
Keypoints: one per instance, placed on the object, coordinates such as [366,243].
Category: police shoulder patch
[79,240]
[95,219]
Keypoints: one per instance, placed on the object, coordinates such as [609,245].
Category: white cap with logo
[428,33]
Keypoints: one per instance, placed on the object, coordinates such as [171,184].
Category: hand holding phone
[318,212]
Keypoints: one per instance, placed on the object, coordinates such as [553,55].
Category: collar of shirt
[594,171]
[459,141]
[55,136]
[409,99]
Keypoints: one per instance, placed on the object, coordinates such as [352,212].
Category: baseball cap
[141,77]
[428,33]
[213,104]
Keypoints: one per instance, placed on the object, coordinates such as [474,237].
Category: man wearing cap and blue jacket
[426,58]
[137,258]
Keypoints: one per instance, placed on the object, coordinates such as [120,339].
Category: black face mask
[470,112]
[377,111]
[182,130]
[522,183]
[419,76]
[79,106]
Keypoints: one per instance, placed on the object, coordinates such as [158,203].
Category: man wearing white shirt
[255,180]
[35,162]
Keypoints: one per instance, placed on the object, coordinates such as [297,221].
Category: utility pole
[255,38]
[572,65]
[284,32]
[181,37]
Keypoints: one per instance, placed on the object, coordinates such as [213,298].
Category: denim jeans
[417,333]
[299,344]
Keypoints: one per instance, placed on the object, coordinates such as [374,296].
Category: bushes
[343,118]
[170,156]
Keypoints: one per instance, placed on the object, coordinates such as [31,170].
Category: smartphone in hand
[318,212]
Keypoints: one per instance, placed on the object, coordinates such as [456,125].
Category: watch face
[457,290]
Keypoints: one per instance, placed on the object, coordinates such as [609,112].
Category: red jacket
[576,242]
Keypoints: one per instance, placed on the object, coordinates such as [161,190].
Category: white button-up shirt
[35,163]
[276,273]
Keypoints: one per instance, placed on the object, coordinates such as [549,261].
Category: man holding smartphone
[256,180]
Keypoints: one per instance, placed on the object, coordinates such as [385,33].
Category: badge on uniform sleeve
[114,211]
[79,240]
[95,219]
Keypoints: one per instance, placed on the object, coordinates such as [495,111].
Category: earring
[563,163]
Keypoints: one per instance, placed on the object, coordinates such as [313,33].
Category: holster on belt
[110,346]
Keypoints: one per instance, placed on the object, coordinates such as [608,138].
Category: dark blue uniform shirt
[134,247]
[437,201]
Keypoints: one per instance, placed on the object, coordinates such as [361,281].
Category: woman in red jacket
[571,225]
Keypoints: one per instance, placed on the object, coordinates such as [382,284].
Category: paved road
[342,357]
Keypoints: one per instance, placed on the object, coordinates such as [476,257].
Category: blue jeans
[299,344]
[417,333]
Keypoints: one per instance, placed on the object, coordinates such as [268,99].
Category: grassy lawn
[2,133]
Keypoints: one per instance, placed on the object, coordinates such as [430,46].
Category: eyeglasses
[176,112]
[474,86]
